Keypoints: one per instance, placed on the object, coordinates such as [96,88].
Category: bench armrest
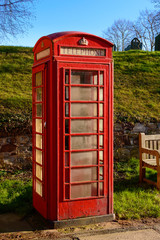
[155,153]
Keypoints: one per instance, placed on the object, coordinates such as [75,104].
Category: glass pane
[39,141]
[67,192]
[66,109]
[83,109]
[39,79]
[67,175]
[84,142]
[101,157]
[83,77]
[101,169]
[39,110]
[66,76]
[66,143]
[84,190]
[66,159]
[101,125]
[84,93]
[39,125]
[66,126]
[39,187]
[38,94]
[95,79]
[101,78]
[84,126]
[83,158]
[83,174]
[39,156]
[101,109]
[101,141]
[101,188]
[39,172]
[101,94]
[66,93]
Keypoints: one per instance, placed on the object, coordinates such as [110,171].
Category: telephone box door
[84,185]
[39,138]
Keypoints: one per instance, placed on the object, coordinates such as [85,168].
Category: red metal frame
[56,202]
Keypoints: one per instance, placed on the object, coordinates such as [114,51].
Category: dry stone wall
[126,138]
[16,151]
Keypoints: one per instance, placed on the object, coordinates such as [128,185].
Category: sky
[91,16]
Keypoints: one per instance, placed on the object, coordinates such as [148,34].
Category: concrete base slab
[82,221]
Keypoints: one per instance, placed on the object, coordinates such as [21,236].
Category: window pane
[101,125]
[101,169]
[38,94]
[101,188]
[101,94]
[83,109]
[38,78]
[66,76]
[84,126]
[66,109]
[84,190]
[66,159]
[39,187]
[39,125]
[66,143]
[83,77]
[83,158]
[66,126]
[101,79]
[84,93]
[67,175]
[101,159]
[39,110]
[66,93]
[39,156]
[39,172]
[83,174]
[84,142]
[39,141]
[67,192]
[101,141]
[101,109]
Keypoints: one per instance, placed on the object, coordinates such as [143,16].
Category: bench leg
[158,179]
[142,172]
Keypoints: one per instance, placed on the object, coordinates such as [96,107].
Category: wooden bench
[149,150]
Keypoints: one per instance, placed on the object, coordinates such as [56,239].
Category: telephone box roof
[60,35]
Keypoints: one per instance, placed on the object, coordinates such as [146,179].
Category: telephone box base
[82,221]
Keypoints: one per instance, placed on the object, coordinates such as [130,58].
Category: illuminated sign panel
[93,52]
[43,54]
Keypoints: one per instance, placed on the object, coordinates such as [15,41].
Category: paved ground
[34,227]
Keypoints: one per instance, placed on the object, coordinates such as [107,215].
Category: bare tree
[120,33]
[146,28]
[15,16]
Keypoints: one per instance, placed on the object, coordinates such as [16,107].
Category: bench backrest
[149,141]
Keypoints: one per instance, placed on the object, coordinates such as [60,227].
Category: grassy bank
[136,85]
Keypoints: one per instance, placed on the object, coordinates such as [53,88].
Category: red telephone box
[73,126]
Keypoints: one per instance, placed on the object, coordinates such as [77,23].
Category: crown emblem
[83,41]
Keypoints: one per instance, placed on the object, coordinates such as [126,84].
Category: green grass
[131,199]
[15,194]
[136,87]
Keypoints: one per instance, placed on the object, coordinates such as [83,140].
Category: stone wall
[16,151]
[126,138]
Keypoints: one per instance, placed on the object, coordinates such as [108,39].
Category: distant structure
[114,48]
[157,43]
[135,44]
